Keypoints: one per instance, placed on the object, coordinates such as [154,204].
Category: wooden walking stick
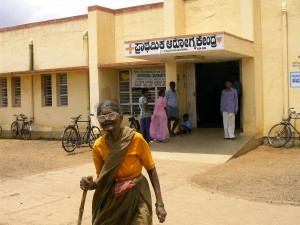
[81,208]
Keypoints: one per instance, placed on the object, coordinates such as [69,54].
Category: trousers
[145,128]
[229,124]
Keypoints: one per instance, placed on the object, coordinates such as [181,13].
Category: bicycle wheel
[14,128]
[94,133]
[279,135]
[26,131]
[70,139]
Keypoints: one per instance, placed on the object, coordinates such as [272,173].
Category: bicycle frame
[23,129]
[291,125]
[72,138]
[280,134]
[83,138]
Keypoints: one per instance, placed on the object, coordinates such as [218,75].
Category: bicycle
[24,130]
[71,137]
[281,133]
[134,123]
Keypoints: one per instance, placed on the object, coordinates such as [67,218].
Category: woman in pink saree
[159,120]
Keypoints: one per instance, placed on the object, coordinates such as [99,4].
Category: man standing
[229,108]
[172,108]
[145,114]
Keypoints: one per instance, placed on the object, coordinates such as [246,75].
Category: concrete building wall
[58,47]
[279,59]
[92,64]
[232,16]
[52,47]
[135,25]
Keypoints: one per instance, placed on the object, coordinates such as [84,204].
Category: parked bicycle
[72,138]
[21,126]
[281,133]
[134,122]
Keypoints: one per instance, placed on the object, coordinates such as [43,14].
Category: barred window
[129,96]
[47,89]
[16,91]
[3,92]
[63,90]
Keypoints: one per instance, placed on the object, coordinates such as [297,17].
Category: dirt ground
[264,174]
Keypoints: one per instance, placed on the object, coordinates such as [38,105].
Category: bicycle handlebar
[293,112]
[77,118]
[23,117]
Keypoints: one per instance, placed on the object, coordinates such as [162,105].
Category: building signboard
[175,45]
[151,77]
[295,79]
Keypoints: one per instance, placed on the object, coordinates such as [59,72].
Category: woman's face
[112,120]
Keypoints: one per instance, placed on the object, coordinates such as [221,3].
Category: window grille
[63,90]
[129,96]
[16,82]
[47,90]
[3,93]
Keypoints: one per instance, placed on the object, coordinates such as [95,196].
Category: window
[63,90]
[129,96]
[3,92]
[47,90]
[16,91]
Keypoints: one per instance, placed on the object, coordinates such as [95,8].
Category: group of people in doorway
[165,116]
[166,110]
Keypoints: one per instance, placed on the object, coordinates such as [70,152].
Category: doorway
[210,81]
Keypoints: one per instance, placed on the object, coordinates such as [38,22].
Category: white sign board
[148,78]
[295,79]
[175,45]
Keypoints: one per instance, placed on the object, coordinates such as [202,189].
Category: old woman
[122,194]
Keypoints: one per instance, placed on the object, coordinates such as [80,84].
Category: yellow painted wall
[60,45]
[109,84]
[48,118]
[137,25]
[53,46]
[106,37]
[232,16]
[7,113]
[54,117]
[272,53]
[174,13]
[181,88]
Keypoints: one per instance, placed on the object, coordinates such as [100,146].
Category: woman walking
[159,121]
[122,194]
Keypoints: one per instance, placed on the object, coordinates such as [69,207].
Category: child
[186,126]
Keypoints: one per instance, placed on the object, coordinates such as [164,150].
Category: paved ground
[53,197]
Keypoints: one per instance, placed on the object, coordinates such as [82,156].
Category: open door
[191,94]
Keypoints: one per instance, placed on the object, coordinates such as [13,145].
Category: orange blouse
[138,155]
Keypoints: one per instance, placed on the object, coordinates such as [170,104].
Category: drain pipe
[86,46]
[285,59]
[31,67]
[31,63]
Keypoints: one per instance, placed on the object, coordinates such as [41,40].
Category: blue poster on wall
[295,79]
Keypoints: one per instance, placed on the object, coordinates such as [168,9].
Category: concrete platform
[205,145]
[54,197]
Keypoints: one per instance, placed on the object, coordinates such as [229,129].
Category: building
[57,69]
